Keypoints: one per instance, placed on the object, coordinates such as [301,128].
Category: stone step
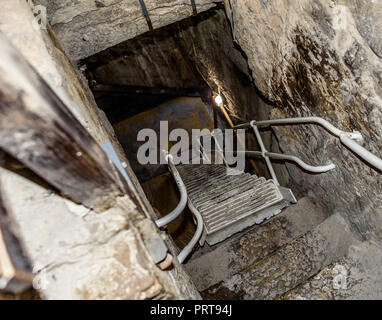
[357,276]
[218,187]
[226,191]
[230,203]
[290,266]
[211,265]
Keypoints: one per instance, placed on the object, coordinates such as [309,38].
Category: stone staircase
[278,259]
[230,201]
[357,275]
[272,259]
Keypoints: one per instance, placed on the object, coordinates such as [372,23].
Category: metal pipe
[302,120]
[346,138]
[230,122]
[183,195]
[361,151]
[146,15]
[264,151]
[198,233]
[194,10]
[302,164]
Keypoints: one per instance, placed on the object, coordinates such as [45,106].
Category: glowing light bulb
[218,100]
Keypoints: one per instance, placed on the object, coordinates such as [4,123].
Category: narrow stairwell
[257,242]
[265,261]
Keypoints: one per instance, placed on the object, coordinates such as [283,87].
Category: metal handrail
[346,138]
[317,120]
[287,157]
[183,195]
[301,163]
[179,209]
[264,153]
[198,233]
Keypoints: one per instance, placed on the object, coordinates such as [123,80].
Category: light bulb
[218,100]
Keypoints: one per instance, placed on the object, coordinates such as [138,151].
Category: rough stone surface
[322,58]
[65,240]
[357,276]
[87,27]
[242,251]
[194,53]
[85,255]
[60,252]
[290,266]
[187,54]
[41,50]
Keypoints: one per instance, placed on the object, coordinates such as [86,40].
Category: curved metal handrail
[301,163]
[178,210]
[346,138]
[183,195]
[198,233]
[317,120]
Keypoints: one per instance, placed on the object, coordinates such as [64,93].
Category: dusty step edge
[291,265]
[356,276]
[240,251]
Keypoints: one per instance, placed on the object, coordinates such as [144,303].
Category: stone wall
[86,27]
[195,53]
[192,53]
[322,58]
[82,254]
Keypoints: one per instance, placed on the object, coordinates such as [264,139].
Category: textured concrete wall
[322,58]
[87,27]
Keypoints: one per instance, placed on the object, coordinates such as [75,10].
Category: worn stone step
[219,201]
[357,276]
[190,170]
[291,265]
[206,181]
[228,190]
[230,203]
[211,265]
[218,187]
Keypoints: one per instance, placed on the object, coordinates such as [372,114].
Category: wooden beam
[37,129]
[15,270]
[145,90]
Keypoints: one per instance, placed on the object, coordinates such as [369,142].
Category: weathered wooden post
[38,129]
[15,270]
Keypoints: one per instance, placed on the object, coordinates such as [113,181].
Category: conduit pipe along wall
[347,138]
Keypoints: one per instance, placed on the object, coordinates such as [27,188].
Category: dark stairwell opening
[173,74]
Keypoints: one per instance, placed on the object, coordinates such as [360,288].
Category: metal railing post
[347,138]
[264,152]
[183,195]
